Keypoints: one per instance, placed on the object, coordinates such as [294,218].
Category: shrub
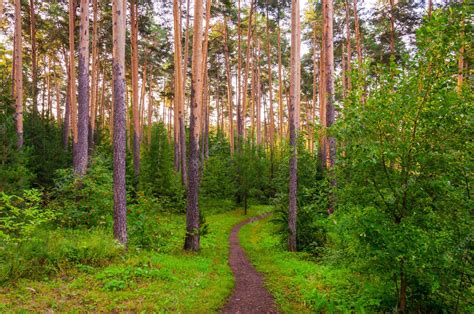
[86,201]
[20,216]
[50,251]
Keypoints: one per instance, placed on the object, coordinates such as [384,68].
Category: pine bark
[181,109]
[192,211]
[246,72]
[280,87]
[119,138]
[348,50]
[229,88]
[18,75]
[293,107]
[94,75]
[34,61]
[270,83]
[239,81]
[135,91]
[72,71]
[81,151]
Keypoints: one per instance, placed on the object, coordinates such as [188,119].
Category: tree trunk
[280,87]
[119,139]
[34,61]
[294,104]
[348,50]
[329,87]
[257,96]
[135,104]
[461,60]
[270,83]
[94,76]
[58,100]
[185,75]
[239,70]
[229,88]
[322,157]
[149,113]
[315,89]
[67,109]
[192,210]
[179,136]
[392,29]
[359,52]
[72,71]
[81,153]
[18,77]
[246,72]
[48,88]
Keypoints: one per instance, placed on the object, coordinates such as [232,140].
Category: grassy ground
[140,280]
[298,283]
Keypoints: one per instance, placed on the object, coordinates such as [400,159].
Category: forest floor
[167,280]
[249,295]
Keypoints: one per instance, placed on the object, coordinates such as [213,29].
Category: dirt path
[249,295]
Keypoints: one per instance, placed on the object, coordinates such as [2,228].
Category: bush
[20,216]
[50,251]
[157,176]
[86,201]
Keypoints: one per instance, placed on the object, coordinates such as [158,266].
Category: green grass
[168,280]
[299,283]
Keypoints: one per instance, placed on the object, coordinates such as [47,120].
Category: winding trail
[249,295]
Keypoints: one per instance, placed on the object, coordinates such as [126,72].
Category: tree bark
[229,88]
[270,83]
[34,61]
[149,113]
[192,211]
[246,72]
[94,76]
[67,109]
[18,77]
[348,50]
[322,156]
[119,138]
[81,153]
[294,104]
[258,96]
[72,71]
[135,103]
[239,70]
[329,87]
[280,86]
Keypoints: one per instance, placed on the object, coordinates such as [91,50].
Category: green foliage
[86,201]
[20,216]
[14,172]
[48,252]
[403,179]
[158,178]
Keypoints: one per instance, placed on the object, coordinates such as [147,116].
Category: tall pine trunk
[72,72]
[34,61]
[229,88]
[81,153]
[135,104]
[119,137]
[94,76]
[192,211]
[246,72]
[18,77]
[293,108]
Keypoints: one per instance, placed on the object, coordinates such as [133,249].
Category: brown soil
[249,295]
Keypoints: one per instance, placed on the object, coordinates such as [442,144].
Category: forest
[236,156]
